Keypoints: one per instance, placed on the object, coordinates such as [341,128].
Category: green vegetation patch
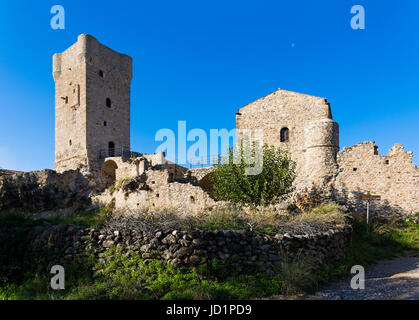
[272,185]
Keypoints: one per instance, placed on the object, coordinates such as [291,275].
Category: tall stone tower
[92,104]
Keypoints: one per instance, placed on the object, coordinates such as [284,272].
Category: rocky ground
[396,279]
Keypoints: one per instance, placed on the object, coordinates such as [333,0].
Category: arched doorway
[109,172]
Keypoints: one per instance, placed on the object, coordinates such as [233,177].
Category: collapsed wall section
[40,191]
[393,176]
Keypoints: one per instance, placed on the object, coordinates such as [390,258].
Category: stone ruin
[92,148]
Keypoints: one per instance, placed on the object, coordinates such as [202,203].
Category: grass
[92,218]
[383,241]
[129,277]
[259,220]
[268,221]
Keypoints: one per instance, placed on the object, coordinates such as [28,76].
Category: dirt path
[396,279]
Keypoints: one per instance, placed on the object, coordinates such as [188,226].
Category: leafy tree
[272,185]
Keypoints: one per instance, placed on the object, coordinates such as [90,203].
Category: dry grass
[229,217]
[318,219]
[297,276]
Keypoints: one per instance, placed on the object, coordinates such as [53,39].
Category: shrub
[272,185]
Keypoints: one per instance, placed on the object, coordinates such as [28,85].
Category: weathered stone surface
[44,190]
[63,244]
[313,142]
[92,104]
[313,136]
[393,176]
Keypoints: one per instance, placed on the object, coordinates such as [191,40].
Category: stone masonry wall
[40,191]
[394,177]
[138,165]
[64,243]
[313,135]
[86,75]
[156,190]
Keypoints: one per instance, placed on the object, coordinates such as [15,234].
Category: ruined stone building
[299,123]
[92,133]
[303,125]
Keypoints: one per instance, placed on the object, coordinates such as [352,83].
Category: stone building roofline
[87,37]
[282,90]
[88,45]
[359,144]
[397,148]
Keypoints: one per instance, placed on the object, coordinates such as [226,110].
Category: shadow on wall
[378,208]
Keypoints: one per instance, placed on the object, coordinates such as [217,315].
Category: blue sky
[200,61]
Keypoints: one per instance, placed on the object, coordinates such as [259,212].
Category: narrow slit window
[108,102]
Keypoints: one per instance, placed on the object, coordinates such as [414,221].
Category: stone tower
[299,123]
[92,104]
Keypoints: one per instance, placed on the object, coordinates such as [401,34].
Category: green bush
[272,185]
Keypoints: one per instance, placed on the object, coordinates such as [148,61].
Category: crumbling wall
[4,172]
[125,168]
[394,177]
[158,188]
[44,190]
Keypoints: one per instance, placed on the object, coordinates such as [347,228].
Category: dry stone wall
[63,244]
